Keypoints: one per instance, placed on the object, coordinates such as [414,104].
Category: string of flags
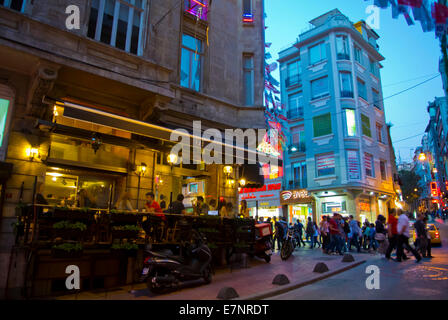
[431,14]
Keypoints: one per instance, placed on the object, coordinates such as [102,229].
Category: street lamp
[228,170]
[172,159]
[32,153]
[141,171]
[422,157]
[243,182]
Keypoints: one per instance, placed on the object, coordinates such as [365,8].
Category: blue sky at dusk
[411,57]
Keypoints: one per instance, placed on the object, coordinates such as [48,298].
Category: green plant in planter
[126,228]
[124,246]
[68,247]
[69,225]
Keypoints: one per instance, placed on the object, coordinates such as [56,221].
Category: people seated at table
[124,202]
[201,207]
[151,205]
[85,200]
[177,207]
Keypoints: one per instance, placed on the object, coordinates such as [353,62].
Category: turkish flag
[411,3]
[439,12]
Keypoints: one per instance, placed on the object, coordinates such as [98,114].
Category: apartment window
[18,5]
[318,53]
[350,118]
[376,99]
[383,170]
[248,16]
[322,125]
[118,23]
[368,164]
[198,8]
[4,108]
[325,164]
[298,140]
[294,71]
[342,48]
[299,174]
[373,67]
[358,54]
[362,91]
[379,132]
[248,70]
[191,59]
[319,88]
[346,84]
[353,165]
[366,126]
[295,106]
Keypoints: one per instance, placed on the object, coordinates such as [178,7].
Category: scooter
[263,244]
[163,271]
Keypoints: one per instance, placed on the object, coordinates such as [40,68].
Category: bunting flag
[432,15]
[268,45]
[267,56]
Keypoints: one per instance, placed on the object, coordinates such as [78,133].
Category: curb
[296,285]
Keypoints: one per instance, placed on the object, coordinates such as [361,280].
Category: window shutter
[322,125]
[366,126]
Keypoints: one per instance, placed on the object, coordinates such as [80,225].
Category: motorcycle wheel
[286,251]
[267,258]
[208,275]
[155,289]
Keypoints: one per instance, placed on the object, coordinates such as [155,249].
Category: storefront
[300,205]
[263,202]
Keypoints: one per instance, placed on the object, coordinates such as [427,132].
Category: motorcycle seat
[167,256]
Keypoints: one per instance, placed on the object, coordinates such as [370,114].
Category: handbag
[380,236]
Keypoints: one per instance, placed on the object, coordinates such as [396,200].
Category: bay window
[346,84]
[342,48]
[317,53]
[319,88]
[325,164]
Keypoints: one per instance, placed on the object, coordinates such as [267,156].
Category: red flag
[439,13]
[411,3]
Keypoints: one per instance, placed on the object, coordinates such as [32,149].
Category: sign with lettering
[296,196]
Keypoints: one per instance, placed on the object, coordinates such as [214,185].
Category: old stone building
[93,107]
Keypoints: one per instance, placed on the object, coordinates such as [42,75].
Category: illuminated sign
[434,189]
[364,206]
[295,196]
[270,187]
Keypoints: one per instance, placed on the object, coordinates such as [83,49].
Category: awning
[145,129]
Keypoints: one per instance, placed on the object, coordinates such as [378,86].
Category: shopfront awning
[145,129]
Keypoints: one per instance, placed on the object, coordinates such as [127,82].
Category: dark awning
[252,174]
[145,129]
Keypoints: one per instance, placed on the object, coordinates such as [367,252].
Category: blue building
[338,159]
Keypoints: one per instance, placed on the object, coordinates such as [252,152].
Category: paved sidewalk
[253,282]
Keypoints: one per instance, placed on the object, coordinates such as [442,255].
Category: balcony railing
[295,113]
[343,56]
[347,94]
[18,5]
[292,81]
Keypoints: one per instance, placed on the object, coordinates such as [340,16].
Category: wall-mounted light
[422,157]
[172,159]
[228,170]
[434,170]
[32,153]
[141,169]
[242,182]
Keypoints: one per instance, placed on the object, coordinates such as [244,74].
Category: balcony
[295,113]
[296,148]
[343,56]
[347,94]
[293,81]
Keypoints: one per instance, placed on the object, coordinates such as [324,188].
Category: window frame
[383,165]
[192,53]
[372,165]
[362,84]
[315,126]
[130,24]
[377,100]
[322,52]
[331,170]
[250,70]
[346,48]
[351,164]
[355,126]
[363,117]
[324,93]
[344,93]
[7,94]
[298,112]
[7,4]
[293,79]
[356,50]
[379,132]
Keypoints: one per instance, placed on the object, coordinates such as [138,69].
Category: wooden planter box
[62,254]
[123,252]
[73,215]
[125,218]
[68,233]
[121,234]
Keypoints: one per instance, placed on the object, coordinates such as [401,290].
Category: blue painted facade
[330,162]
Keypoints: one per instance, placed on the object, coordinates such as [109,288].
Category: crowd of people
[337,235]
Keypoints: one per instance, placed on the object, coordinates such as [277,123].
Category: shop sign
[364,206]
[292,196]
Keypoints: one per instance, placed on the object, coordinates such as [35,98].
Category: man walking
[392,232]
[356,231]
[298,228]
[335,234]
[403,238]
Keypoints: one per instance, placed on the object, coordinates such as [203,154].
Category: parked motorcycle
[263,244]
[288,245]
[163,271]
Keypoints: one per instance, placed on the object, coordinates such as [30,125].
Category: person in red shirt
[152,205]
[392,232]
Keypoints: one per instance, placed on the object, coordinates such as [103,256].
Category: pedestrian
[316,234]
[279,234]
[298,233]
[380,233]
[310,232]
[373,244]
[392,232]
[355,231]
[366,235]
[325,234]
[403,238]
[347,233]
[222,208]
[244,211]
[335,235]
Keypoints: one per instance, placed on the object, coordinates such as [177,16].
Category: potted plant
[68,229]
[124,249]
[67,250]
[125,231]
